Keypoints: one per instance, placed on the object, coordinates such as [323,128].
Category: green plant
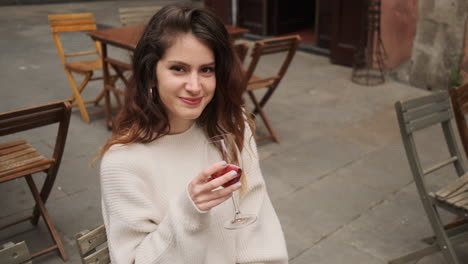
[456,77]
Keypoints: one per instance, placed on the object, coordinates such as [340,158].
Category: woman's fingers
[214,195]
[217,182]
[213,203]
[205,175]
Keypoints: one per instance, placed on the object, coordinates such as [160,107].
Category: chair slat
[440,165]
[72,28]
[55,17]
[99,257]
[26,170]
[426,109]
[28,121]
[16,154]
[12,253]
[11,144]
[73,22]
[28,159]
[460,197]
[418,102]
[92,239]
[27,126]
[427,122]
[14,148]
[81,53]
[452,187]
[32,110]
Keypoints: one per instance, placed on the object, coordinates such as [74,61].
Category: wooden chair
[19,159]
[92,246]
[241,50]
[459,98]
[12,253]
[288,45]
[130,16]
[414,115]
[71,23]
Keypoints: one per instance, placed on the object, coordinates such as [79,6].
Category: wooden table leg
[107,81]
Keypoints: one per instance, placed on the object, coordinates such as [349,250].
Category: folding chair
[241,50]
[71,23]
[130,16]
[12,253]
[459,98]
[18,159]
[92,246]
[414,115]
[288,45]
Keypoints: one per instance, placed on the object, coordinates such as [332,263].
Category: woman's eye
[177,68]
[208,70]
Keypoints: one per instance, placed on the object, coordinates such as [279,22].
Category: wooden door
[253,14]
[347,30]
[324,23]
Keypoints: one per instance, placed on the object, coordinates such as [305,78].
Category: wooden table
[127,38]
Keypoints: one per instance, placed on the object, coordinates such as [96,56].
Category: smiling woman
[162,201]
[186,81]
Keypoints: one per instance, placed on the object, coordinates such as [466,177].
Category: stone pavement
[339,180]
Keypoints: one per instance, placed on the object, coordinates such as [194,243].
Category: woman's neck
[180,126]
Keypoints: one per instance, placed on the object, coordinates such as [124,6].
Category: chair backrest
[241,50]
[264,47]
[38,116]
[12,253]
[420,113]
[92,246]
[459,98]
[70,23]
[130,16]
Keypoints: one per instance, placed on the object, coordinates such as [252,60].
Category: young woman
[160,202]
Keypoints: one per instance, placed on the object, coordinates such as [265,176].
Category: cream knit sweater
[150,218]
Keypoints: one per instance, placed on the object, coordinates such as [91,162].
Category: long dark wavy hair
[143,117]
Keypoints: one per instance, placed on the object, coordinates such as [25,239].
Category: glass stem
[236,206]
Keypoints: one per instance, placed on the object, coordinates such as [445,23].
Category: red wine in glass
[228,168]
[223,147]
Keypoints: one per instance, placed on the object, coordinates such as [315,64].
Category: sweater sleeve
[137,229]
[263,241]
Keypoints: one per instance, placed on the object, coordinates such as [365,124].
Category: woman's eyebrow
[186,64]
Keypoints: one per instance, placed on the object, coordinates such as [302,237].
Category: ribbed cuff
[190,216]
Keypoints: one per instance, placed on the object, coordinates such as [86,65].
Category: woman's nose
[193,83]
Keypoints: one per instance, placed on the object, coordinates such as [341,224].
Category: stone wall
[439,42]
[398,29]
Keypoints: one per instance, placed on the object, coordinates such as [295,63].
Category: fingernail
[233,173]
[238,184]
[223,163]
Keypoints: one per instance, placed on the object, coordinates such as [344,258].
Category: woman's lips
[191,101]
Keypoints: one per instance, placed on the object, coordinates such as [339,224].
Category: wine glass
[225,145]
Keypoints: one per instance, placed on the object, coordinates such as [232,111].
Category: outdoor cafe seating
[459,99]
[419,114]
[63,23]
[19,159]
[287,46]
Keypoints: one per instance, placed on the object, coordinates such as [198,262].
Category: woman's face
[186,80]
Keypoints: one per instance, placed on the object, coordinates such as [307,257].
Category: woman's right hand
[201,187]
